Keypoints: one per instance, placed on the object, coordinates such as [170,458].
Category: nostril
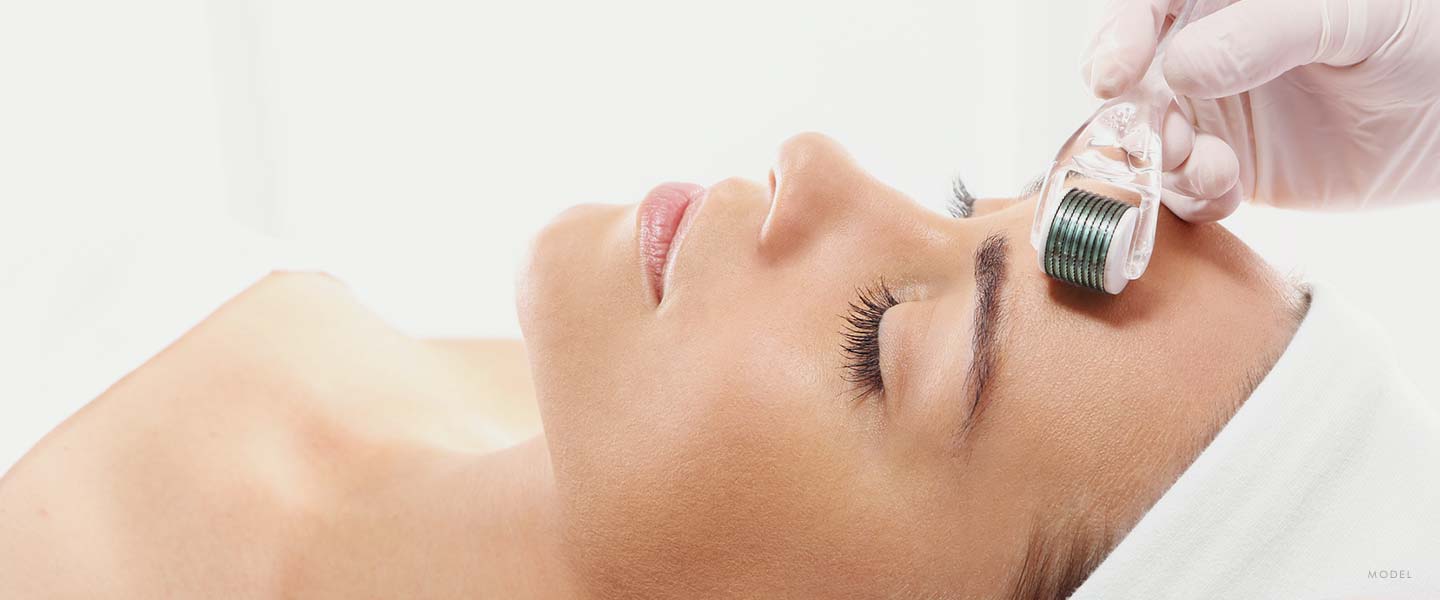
[772,185]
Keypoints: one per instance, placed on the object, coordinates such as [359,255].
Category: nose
[814,183]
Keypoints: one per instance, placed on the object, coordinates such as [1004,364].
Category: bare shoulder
[197,473]
[185,460]
[206,470]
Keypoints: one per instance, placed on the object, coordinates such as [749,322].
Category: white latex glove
[1304,103]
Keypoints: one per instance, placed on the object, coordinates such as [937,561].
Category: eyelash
[962,202]
[861,345]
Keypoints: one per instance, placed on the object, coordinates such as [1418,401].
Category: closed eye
[861,345]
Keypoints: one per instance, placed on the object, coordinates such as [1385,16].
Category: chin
[581,272]
[544,266]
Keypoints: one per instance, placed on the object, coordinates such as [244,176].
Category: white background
[421,142]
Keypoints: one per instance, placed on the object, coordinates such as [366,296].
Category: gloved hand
[1296,103]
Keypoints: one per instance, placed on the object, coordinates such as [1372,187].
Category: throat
[443,524]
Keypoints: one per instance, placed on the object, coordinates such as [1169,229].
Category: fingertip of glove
[1184,68]
[1211,169]
[1178,137]
[1106,77]
[1189,209]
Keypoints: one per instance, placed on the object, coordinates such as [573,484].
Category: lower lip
[663,216]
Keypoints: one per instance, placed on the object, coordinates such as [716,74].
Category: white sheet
[1325,484]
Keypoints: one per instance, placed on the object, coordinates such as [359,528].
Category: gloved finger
[1251,42]
[1199,210]
[1211,169]
[1177,138]
[1123,45]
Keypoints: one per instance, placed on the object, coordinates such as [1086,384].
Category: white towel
[1325,484]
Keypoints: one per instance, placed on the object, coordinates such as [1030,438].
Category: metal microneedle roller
[1095,220]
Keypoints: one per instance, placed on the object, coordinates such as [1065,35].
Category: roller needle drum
[1095,221]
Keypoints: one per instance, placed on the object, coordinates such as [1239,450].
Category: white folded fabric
[1325,484]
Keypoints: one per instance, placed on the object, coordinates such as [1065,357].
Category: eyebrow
[991,259]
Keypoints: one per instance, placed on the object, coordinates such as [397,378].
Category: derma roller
[1095,221]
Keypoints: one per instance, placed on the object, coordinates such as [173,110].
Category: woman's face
[722,420]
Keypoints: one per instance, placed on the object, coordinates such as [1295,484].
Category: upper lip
[661,221]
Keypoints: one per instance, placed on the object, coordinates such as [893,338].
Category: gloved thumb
[1244,45]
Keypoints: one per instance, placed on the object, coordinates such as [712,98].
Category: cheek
[745,486]
[716,435]
[687,422]
[736,452]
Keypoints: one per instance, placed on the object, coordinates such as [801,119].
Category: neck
[445,524]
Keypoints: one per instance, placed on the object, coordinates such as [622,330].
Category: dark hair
[1058,559]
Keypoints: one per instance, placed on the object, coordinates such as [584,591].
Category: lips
[661,221]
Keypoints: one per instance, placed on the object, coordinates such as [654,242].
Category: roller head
[1087,241]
